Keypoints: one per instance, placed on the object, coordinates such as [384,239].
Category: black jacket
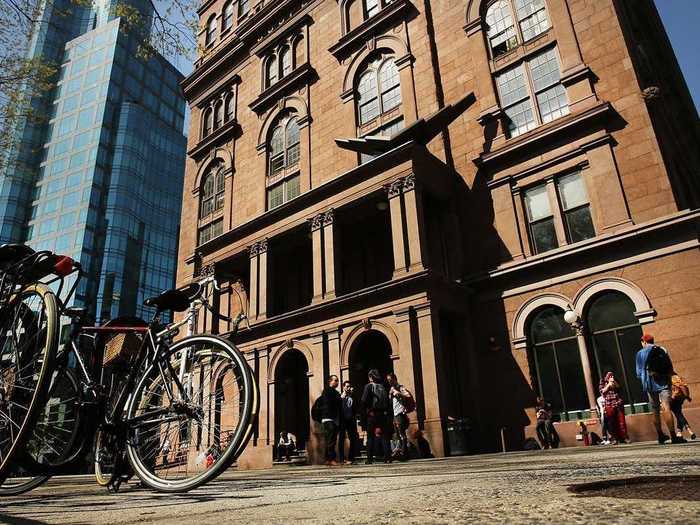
[331,404]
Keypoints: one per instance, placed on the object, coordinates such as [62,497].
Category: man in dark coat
[330,417]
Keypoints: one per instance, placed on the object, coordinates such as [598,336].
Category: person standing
[375,401]
[401,399]
[679,393]
[348,425]
[546,432]
[330,418]
[613,408]
[654,370]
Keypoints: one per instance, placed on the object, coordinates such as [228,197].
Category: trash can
[458,437]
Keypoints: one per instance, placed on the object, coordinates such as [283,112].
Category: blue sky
[682,21]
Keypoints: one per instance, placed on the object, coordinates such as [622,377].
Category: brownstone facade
[370,214]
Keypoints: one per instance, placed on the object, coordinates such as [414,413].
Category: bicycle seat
[10,253]
[177,300]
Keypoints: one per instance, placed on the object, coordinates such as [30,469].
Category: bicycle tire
[248,404]
[8,489]
[44,358]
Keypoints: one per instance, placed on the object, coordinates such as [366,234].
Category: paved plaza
[528,487]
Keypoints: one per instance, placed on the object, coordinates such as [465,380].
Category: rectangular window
[540,220]
[575,208]
[211,231]
[536,79]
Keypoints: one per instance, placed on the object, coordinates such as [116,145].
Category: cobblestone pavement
[514,488]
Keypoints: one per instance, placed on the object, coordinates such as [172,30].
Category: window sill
[380,121]
[219,135]
[303,74]
[546,132]
[371,26]
[286,173]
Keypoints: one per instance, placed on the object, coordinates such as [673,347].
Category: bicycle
[167,405]
[28,342]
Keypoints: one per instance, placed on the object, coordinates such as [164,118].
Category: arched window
[271,71]
[218,114]
[615,333]
[212,191]
[504,34]
[378,89]
[556,362]
[243,7]
[228,108]
[283,157]
[211,31]
[299,51]
[285,62]
[228,15]
[372,7]
[293,142]
[208,122]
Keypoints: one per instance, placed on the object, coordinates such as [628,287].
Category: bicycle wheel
[28,343]
[178,444]
[20,482]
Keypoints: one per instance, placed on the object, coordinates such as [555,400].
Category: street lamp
[573,319]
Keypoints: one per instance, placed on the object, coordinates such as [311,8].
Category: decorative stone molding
[257,248]
[394,189]
[208,270]
[527,309]
[316,222]
[329,217]
[301,76]
[643,309]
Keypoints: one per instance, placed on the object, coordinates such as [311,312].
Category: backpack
[679,388]
[317,410]
[380,398]
[659,363]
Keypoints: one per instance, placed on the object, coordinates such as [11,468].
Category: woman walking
[679,393]
[614,408]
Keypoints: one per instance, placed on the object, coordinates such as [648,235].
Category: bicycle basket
[120,349]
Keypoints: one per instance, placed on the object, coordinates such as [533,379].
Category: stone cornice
[302,75]
[519,146]
[358,36]
[252,27]
[220,135]
[300,19]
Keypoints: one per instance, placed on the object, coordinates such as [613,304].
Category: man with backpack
[375,400]
[654,369]
[403,404]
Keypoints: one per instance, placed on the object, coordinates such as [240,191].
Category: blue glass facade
[102,180]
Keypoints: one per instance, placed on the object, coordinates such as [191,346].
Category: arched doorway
[371,350]
[292,397]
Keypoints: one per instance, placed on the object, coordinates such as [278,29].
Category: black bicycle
[176,414]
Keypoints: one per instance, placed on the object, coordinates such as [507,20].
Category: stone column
[591,389]
[427,331]
[404,366]
[264,410]
[415,224]
[521,220]
[397,231]
[329,254]
[262,280]
[334,353]
[253,251]
[317,250]
[316,383]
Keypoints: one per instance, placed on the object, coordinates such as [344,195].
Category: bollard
[503,439]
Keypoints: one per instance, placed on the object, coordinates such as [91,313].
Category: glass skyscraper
[101,179]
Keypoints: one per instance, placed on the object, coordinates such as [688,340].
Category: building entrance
[292,397]
[371,350]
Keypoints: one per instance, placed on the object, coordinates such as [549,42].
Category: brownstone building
[427,186]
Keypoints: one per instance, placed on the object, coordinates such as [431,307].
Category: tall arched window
[211,201]
[228,108]
[211,30]
[208,118]
[284,150]
[218,114]
[228,15]
[285,61]
[299,51]
[271,71]
[615,333]
[504,34]
[378,89]
[556,362]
